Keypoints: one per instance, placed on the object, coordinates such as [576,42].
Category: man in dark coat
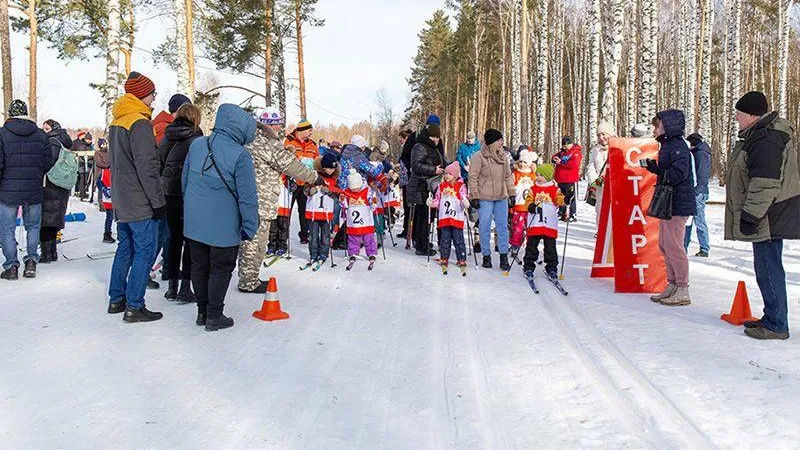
[702,169]
[426,162]
[83,144]
[762,204]
[25,158]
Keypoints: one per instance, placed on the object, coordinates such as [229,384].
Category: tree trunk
[524,64]
[690,94]
[516,82]
[32,60]
[594,67]
[630,86]
[784,7]
[734,85]
[649,60]
[542,72]
[111,89]
[190,47]
[615,33]
[473,121]
[269,7]
[280,76]
[180,41]
[300,66]
[5,49]
[707,49]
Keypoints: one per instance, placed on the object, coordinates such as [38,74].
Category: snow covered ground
[401,357]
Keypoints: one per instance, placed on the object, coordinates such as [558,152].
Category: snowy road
[401,357]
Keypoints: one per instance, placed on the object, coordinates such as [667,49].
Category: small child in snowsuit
[378,185]
[320,205]
[544,200]
[359,206]
[452,202]
[279,227]
[524,178]
[104,185]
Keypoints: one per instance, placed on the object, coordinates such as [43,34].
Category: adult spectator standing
[102,163]
[25,158]
[219,177]
[57,187]
[492,193]
[568,172]
[404,136]
[172,151]
[702,169]
[138,199]
[299,141]
[674,168]
[762,204]
[426,163]
[597,168]
[380,153]
[164,118]
[83,148]
[271,160]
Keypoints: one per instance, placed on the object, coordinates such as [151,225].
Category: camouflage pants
[251,256]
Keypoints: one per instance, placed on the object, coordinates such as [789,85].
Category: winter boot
[752,323]
[260,289]
[107,238]
[667,293]
[30,269]
[218,323]
[762,333]
[10,274]
[172,290]
[504,265]
[487,261]
[152,284]
[185,295]
[477,247]
[142,314]
[54,250]
[701,254]
[679,298]
[117,307]
[45,257]
[201,318]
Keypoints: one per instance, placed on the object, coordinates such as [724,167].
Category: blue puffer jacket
[353,158]
[675,163]
[25,158]
[212,215]
[464,153]
[702,165]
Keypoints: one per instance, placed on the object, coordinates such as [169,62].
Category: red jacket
[160,125]
[569,170]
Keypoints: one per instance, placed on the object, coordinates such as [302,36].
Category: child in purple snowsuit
[358,203]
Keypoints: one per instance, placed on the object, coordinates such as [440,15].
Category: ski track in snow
[400,357]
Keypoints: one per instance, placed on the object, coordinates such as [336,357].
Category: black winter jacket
[172,154]
[25,158]
[702,167]
[425,156]
[675,163]
[56,199]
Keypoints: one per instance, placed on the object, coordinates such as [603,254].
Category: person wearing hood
[426,163]
[138,199]
[271,160]
[597,168]
[701,152]
[762,204]
[380,153]
[465,151]
[492,193]
[674,168]
[25,157]
[172,151]
[220,201]
[57,187]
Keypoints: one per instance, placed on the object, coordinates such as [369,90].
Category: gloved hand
[319,181]
[465,203]
[325,190]
[429,202]
[312,192]
[244,236]
[512,201]
[748,224]
[652,167]
[159,213]
[475,203]
[532,208]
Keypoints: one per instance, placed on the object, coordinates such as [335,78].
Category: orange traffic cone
[271,308]
[740,310]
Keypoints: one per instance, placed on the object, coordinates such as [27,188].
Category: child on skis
[319,208]
[279,228]
[452,202]
[544,200]
[524,179]
[104,186]
[358,204]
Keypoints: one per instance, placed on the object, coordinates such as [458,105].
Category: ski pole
[431,227]
[290,201]
[471,239]
[564,253]
[380,237]
[524,241]
[388,222]
[410,231]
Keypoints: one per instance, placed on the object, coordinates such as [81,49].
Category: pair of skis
[553,280]
[463,270]
[353,261]
[313,265]
[91,256]
[275,258]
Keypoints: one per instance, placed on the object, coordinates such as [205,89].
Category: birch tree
[181,37]
[113,36]
[690,93]
[5,50]
[542,71]
[614,36]
[630,86]
[784,7]
[707,49]
[648,60]
[594,67]
[734,63]
[516,82]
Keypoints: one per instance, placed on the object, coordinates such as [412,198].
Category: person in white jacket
[597,167]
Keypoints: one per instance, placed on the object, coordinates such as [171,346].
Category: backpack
[64,173]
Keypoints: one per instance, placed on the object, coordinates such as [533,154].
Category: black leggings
[177,243]
[212,268]
[47,234]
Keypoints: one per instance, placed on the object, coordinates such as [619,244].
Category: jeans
[319,242]
[109,220]
[162,243]
[670,233]
[498,209]
[212,268]
[702,226]
[136,253]
[177,250]
[455,237]
[32,220]
[771,278]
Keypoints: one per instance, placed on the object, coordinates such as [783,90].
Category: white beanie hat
[606,128]
[640,130]
[384,148]
[354,180]
[528,157]
[358,141]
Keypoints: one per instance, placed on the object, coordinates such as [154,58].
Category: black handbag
[661,204]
